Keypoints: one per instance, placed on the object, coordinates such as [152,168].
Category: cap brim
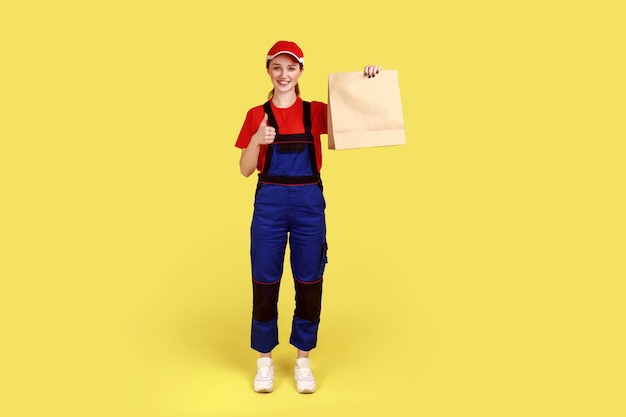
[299,59]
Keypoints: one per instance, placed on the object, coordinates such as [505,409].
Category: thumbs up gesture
[265,134]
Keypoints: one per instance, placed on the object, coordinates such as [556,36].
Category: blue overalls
[289,205]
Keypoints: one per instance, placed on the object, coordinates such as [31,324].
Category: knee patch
[308,300]
[265,301]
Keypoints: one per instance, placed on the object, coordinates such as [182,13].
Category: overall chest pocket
[287,147]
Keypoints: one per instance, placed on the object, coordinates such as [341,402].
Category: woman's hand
[371,70]
[265,134]
[249,157]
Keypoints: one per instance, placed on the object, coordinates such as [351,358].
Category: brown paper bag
[364,112]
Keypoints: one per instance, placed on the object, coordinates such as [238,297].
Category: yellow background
[477,270]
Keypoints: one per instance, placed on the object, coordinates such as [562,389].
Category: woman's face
[284,71]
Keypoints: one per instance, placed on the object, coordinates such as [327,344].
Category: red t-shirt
[289,121]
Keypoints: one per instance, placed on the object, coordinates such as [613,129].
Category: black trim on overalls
[290,143]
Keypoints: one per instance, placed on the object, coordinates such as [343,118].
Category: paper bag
[364,112]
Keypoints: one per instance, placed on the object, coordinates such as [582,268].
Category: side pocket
[324,258]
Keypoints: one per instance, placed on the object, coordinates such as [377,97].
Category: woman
[281,139]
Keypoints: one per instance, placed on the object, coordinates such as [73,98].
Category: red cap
[286,47]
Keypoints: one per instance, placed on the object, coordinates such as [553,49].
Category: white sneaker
[264,380]
[305,382]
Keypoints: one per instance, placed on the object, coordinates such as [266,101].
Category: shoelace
[264,373]
[304,373]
